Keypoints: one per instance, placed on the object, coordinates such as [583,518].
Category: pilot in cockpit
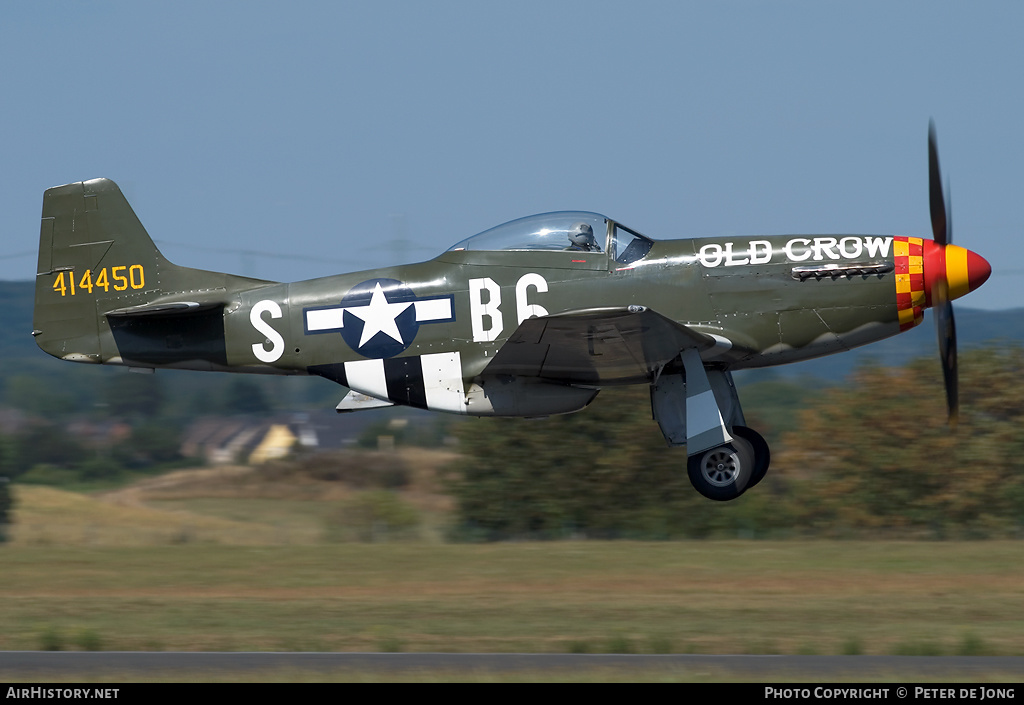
[581,237]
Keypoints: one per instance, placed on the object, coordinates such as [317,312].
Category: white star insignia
[379,317]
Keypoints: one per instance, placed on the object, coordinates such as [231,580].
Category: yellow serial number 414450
[121,278]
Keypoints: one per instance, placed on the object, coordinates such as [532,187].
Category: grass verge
[689,597]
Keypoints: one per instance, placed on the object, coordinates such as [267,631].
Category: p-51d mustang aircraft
[530,318]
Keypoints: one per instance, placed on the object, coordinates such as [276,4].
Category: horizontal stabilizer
[163,309]
[357,401]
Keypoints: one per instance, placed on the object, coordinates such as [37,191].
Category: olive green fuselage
[748,297]
[452,334]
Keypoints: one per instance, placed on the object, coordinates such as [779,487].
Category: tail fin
[98,267]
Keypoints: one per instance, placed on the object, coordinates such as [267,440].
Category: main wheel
[762,454]
[722,473]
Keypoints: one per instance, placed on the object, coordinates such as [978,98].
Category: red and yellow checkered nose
[963,270]
[921,264]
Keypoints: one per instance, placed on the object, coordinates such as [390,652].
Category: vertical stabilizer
[97,264]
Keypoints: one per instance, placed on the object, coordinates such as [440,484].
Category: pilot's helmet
[582,235]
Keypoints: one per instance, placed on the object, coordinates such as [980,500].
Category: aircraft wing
[595,346]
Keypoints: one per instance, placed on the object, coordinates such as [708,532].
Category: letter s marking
[272,336]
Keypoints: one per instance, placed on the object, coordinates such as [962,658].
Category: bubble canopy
[547,231]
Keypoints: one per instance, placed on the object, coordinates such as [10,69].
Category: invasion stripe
[404,376]
[367,376]
[442,376]
[432,381]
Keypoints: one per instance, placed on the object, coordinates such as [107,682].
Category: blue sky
[294,140]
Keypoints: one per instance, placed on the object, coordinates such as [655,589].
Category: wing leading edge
[596,346]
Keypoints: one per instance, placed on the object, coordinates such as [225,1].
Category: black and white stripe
[432,381]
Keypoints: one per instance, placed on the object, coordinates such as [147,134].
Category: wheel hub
[720,467]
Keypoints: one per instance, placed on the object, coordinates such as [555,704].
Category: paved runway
[43,663]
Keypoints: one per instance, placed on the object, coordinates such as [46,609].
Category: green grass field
[693,597]
[226,560]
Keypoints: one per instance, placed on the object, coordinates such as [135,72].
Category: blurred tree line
[61,390]
[6,505]
[69,424]
[873,457]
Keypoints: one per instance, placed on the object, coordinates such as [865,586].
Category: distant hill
[82,385]
[974,328]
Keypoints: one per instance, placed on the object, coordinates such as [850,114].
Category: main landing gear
[698,407]
[729,470]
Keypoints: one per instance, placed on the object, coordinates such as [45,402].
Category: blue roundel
[379,318]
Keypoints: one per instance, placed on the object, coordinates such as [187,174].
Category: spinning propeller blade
[951,272]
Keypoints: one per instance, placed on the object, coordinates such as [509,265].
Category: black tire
[762,453]
[722,473]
